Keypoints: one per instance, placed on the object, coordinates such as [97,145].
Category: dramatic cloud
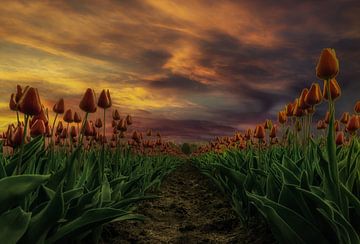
[189,69]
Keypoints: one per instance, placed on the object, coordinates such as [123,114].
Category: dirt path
[190,210]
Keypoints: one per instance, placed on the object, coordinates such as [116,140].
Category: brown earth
[190,210]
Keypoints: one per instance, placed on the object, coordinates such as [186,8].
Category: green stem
[331,150]
[22,144]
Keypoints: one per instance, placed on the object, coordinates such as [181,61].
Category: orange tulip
[345,118]
[340,139]
[313,97]
[38,128]
[104,100]
[122,125]
[68,116]
[12,103]
[282,117]
[135,137]
[29,103]
[289,110]
[59,127]
[353,124]
[302,103]
[116,115]
[77,118]
[267,124]
[272,132]
[321,125]
[335,90]
[87,103]
[59,107]
[129,119]
[87,129]
[298,112]
[64,133]
[357,107]
[98,123]
[259,132]
[328,64]
[73,132]
[41,116]
[19,93]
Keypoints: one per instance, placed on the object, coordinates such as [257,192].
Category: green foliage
[62,196]
[295,190]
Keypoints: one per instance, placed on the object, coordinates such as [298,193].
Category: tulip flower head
[29,102]
[328,64]
[59,107]
[87,103]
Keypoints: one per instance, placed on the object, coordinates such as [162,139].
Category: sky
[189,69]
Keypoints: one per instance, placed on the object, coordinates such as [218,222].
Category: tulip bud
[19,93]
[42,116]
[289,110]
[116,115]
[321,125]
[59,127]
[149,132]
[38,128]
[267,124]
[357,107]
[29,103]
[87,129]
[129,119]
[64,133]
[122,125]
[340,139]
[73,132]
[87,103]
[248,134]
[298,112]
[17,137]
[68,116]
[12,103]
[345,118]
[77,118]
[328,65]
[353,124]
[59,107]
[335,90]
[314,96]
[259,132]
[302,103]
[113,124]
[272,132]
[98,123]
[104,100]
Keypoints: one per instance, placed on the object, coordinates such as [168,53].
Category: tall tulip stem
[22,144]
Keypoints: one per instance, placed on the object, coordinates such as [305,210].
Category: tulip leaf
[13,225]
[15,188]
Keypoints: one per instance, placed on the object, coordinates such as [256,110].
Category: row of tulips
[305,183]
[62,182]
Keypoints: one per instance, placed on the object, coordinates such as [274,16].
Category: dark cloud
[179,83]
[235,63]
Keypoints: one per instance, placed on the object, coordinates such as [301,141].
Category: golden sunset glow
[167,61]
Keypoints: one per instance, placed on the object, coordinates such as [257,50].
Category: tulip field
[66,176]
